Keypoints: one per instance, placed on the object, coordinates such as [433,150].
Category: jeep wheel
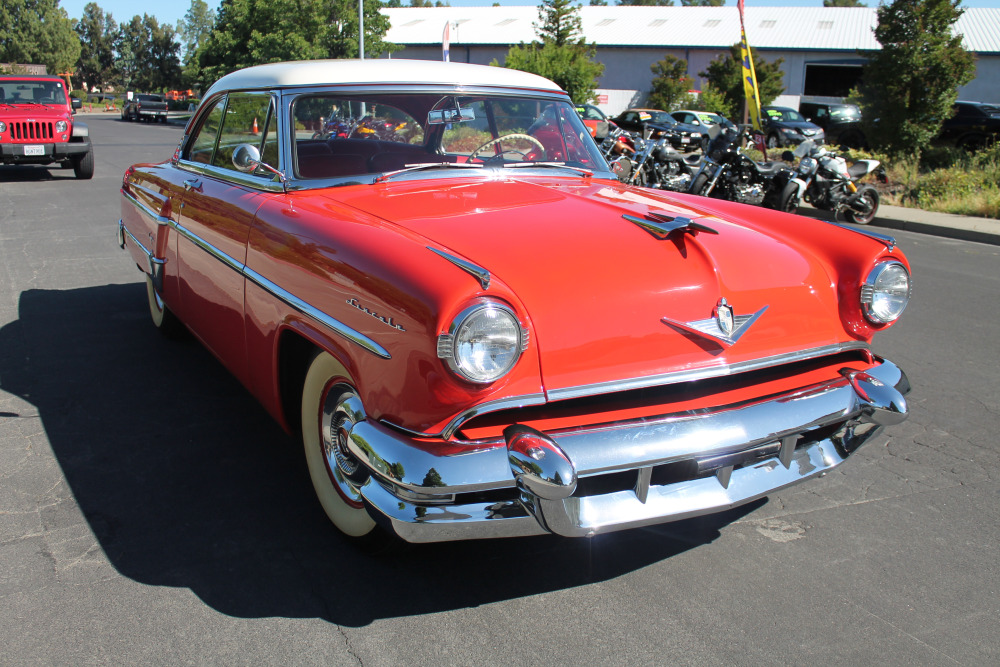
[83,167]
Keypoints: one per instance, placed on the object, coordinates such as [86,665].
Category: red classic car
[428,270]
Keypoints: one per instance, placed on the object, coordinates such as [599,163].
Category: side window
[202,145]
[245,122]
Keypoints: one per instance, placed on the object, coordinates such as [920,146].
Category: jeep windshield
[32,91]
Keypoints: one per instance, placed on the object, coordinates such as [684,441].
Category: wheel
[163,318]
[83,167]
[329,408]
[699,184]
[772,141]
[492,142]
[789,199]
[870,196]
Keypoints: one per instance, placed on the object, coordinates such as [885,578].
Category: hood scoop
[661,225]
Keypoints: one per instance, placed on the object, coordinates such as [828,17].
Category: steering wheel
[492,142]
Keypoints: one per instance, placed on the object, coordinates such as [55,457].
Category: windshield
[350,135]
[30,91]
[785,115]
[845,112]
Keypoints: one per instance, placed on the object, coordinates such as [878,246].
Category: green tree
[645,3]
[148,57]
[561,54]
[193,31]
[559,23]
[725,75]
[909,86]
[38,32]
[843,3]
[253,32]
[97,32]
[670,83]
[703,3]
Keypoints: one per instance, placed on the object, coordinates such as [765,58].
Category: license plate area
[34,150]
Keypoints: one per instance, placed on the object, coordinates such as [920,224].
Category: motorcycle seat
[770,168]
[857,170]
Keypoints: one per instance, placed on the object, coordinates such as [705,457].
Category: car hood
[796,125]
[677,127]
[606,300]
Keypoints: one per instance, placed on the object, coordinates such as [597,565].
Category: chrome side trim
[144,209]
[314,313]
[889,241]
[701,373]
[156,272]
[154,265]
[231,262]
[478,272]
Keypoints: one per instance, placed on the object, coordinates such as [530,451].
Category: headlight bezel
[450,345]
[878,313]
[64,124]
[3,127]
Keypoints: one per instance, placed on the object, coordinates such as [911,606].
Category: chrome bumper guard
[731,456]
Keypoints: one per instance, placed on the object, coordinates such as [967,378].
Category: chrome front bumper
[624,476]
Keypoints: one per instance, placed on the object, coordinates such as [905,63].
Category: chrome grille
[31,130]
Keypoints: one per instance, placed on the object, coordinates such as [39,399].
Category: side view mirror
[76,103]
[246,158]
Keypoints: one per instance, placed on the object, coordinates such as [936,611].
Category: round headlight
[3,126]
[61,126]
[484,343]
[886,292]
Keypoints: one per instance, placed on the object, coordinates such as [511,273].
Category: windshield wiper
[424,166]
[557,165]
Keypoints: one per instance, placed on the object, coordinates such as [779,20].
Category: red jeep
[37,125]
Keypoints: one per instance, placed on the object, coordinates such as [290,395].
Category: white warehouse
[822,47]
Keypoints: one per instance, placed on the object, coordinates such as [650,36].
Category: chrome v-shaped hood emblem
[725,326]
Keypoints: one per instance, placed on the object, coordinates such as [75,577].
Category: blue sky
[171,11]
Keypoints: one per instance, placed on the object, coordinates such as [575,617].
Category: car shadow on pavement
[185,481]
[32,173]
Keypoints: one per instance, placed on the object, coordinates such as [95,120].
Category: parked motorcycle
[727,172]
[651,163]
[824,180]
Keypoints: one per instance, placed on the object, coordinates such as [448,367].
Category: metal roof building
[819,45]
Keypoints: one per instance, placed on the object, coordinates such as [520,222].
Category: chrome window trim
[229,176]
[583,391]
[285,296]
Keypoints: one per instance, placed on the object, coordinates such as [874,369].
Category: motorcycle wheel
[789,199]
[870,196]
[699,184]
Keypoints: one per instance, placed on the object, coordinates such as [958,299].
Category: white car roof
[381,71]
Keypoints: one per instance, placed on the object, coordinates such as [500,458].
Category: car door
[218,206]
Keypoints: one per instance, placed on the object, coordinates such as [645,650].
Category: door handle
[192,184]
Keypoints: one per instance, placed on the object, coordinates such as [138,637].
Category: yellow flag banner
[750,82]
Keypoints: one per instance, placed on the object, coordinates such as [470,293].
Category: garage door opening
[828,80]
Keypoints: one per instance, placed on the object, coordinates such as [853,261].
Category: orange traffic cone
[255,130]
